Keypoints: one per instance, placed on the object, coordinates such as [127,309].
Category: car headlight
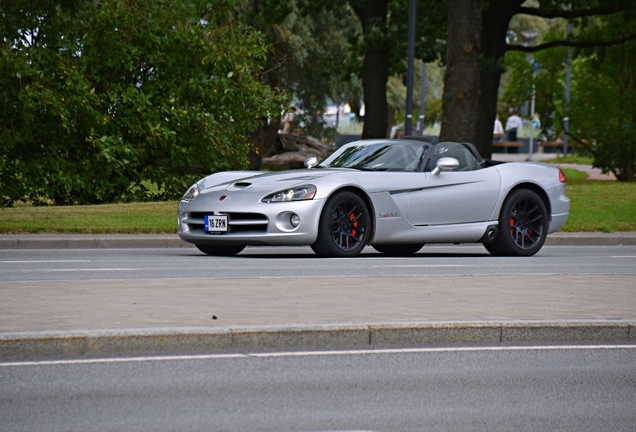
[298,193]
[191,193]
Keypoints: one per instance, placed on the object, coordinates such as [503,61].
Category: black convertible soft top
[433,140]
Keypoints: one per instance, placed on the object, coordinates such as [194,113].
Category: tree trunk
[264,142]
[497,14]
[375,68]
[462,77]
[375,73]
[471,119]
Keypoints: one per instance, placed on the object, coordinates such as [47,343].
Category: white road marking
[318,353]
[43,261]
[124,360]
[77,270]
[423,265]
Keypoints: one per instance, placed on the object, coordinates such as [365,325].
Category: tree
[384,42]
[327,48]
[309,60]
[603,106]
[101,101]
[493,46]
[547,74]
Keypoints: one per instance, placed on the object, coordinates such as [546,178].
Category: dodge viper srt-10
[395,195]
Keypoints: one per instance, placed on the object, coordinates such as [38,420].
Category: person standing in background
[513,124]
[498,129]
[288,121]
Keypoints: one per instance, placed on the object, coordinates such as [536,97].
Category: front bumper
[259,224]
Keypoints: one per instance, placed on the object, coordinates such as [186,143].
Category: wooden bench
[506,146]
[553,146]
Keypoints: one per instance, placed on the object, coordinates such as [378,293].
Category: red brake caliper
[512,226]
[355,224]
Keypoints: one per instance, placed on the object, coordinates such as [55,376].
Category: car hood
[262,181]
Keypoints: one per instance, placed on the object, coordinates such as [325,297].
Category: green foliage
[396,95]
[603,108]
[101,99]
[320,47]
[548,79]
[311,50]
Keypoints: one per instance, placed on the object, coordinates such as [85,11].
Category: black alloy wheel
[344,226]
[216,250]
[523,225]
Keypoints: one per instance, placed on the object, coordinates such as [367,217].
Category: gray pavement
[173,316]
[142,241]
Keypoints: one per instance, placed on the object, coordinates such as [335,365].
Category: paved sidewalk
[152,303]
[44,320]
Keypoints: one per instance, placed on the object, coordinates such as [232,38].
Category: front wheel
[398,250]
[523,225]
[344,226]
[216,250]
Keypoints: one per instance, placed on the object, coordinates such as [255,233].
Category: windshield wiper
[370,169]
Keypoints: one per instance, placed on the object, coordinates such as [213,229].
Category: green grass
[601,205]
[605,206]
[570,159]
[156,217]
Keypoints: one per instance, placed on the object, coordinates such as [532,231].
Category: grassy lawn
[157,217]
[605,206]
[598,205]
[570,159]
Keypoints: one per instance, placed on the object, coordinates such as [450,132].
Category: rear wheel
[523,225]
[398,249]
[344,226]
[216,250]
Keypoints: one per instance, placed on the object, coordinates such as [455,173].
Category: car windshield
[377,156]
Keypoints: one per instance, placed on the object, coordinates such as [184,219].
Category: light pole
[422,99]
[568,71]
[410,69]
[528,36]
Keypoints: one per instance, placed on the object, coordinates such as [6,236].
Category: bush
[102,99]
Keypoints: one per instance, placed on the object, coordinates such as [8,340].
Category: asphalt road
[490,389]
[269,262]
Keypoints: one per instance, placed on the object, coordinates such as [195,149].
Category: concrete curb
[200,340]
[146,241]
[91,241]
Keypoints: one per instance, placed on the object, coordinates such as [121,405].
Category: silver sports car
[395,195]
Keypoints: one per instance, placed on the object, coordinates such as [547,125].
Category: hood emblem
[222,197]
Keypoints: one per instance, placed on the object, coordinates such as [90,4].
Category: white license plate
[216,223]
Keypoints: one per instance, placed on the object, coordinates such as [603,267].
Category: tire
[398,250]
[220,250]
[344,227]
[523,225]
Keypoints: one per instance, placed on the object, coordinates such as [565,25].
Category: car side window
[467,161]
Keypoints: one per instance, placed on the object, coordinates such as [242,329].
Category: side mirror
[445,164]
[311,162]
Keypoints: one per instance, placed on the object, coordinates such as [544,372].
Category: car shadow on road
[367,256]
